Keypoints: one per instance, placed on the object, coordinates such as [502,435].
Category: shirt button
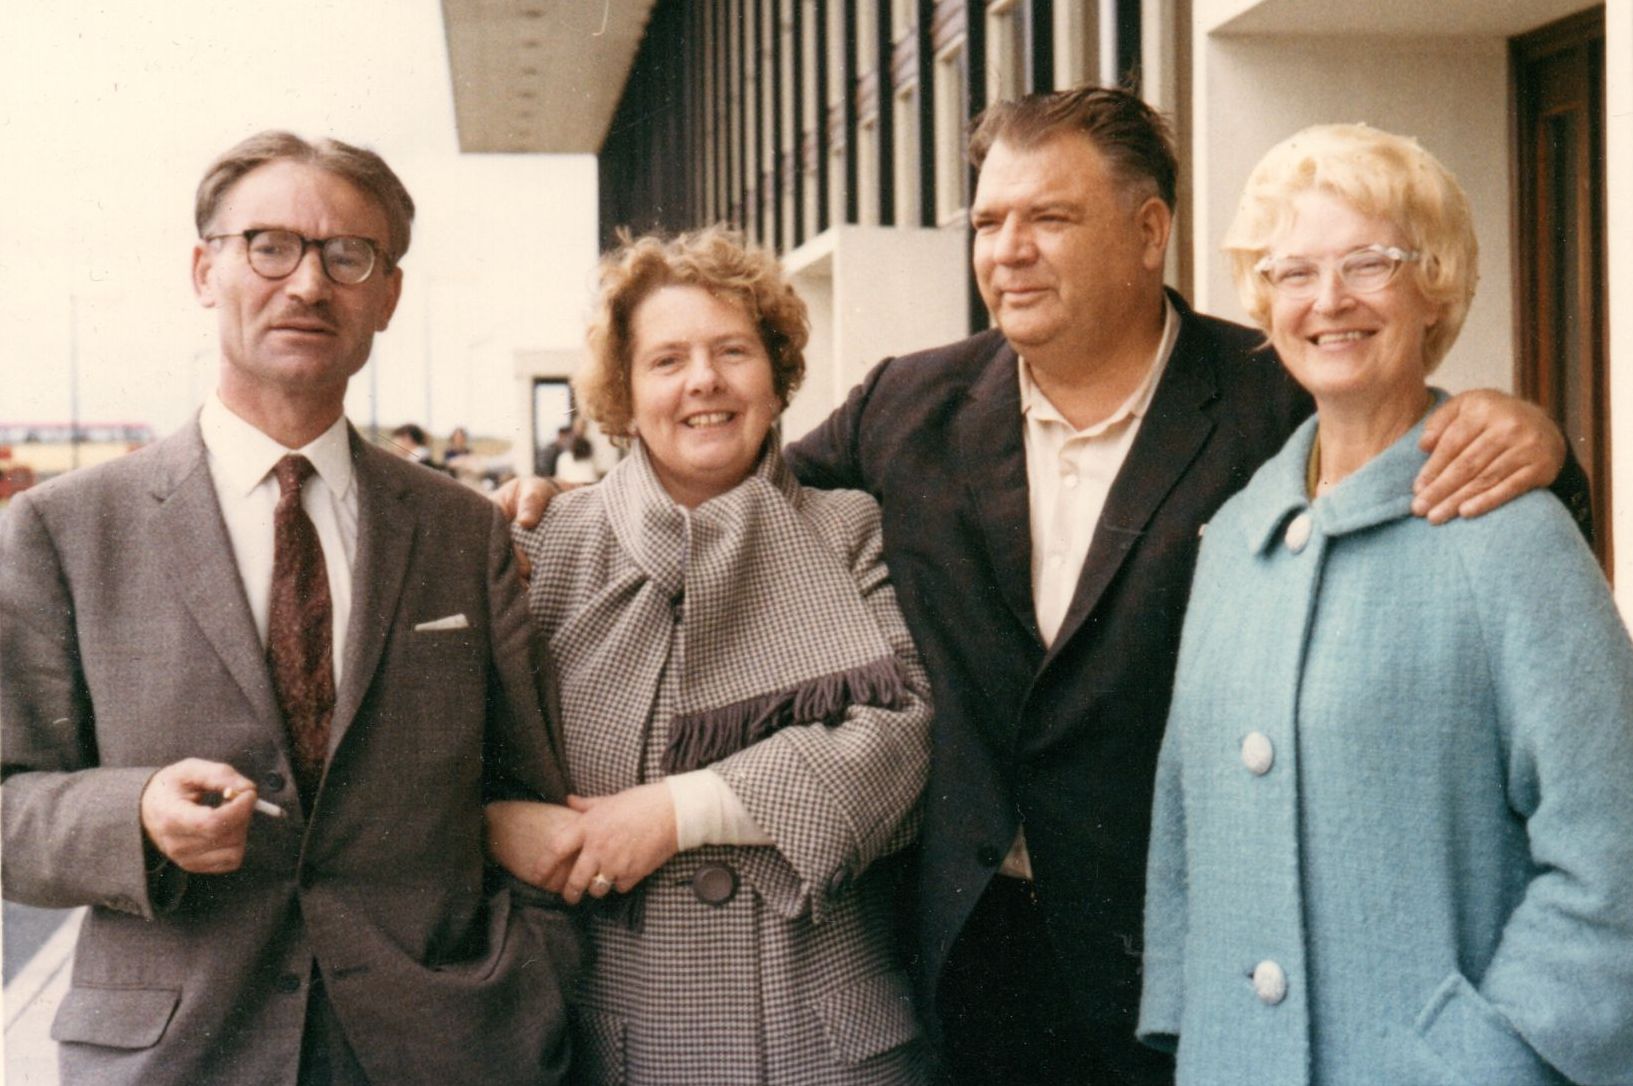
[1298,532]
[1069,482]
[1269,983]
[1257,753]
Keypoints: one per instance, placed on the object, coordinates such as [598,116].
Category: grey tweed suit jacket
[126,643]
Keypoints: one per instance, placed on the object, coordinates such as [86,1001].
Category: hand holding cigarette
[197,813]
[271,810]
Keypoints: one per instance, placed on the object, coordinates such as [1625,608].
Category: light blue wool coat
[1439,857]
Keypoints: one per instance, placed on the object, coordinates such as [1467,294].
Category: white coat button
[1257,753]
[1298,532]
[1269,983]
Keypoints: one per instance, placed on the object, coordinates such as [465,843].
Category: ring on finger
[602,883]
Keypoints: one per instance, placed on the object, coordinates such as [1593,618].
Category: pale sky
[109,113]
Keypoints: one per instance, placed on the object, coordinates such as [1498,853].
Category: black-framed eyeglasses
[274,254]
[1362,271]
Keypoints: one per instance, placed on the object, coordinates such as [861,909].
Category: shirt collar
[242,456]
[1039,408]
[1379,492]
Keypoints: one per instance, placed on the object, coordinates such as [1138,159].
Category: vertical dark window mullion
[797,137]
[927,112]
[717,108]
[729,50]
[975,83]
[1040,28]
[823,151]
[776,126]
[759,120]
[698,208]
[884,72]
[853,207]
[741,19]
[1129,32]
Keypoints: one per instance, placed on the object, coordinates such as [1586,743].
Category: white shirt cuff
[708,812]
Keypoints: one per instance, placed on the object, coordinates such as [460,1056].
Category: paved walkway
[31,999]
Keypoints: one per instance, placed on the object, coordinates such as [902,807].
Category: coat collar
[189,527]
[387,521]
[987,439]
[1380,492]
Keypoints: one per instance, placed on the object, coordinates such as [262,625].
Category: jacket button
[287,982]
[1269,983]
[715,884]
[1298,532]
[273,782]
[1257,753]
[988,856]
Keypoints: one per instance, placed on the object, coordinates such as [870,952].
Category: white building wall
[1619,238]
[872,292]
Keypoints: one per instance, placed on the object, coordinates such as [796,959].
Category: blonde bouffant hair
[715,259]
[1381,175]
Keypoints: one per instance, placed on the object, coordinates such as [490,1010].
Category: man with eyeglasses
[258,681]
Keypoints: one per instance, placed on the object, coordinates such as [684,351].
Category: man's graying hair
[359,166]
[1136,140]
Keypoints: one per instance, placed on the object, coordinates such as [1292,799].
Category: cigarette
[271,810]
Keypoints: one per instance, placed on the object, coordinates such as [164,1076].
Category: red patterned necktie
[300,632]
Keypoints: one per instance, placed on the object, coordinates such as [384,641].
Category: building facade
[833,131]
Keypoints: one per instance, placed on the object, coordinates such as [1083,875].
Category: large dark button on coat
[287,982]
[988,856]
[715,884]
[273,782]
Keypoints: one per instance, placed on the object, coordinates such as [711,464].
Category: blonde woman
[1392,835]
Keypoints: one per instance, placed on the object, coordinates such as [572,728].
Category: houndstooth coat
[796,978]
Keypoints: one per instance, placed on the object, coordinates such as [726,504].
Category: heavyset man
[256,682]
[1043,486]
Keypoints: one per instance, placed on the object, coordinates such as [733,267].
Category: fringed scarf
[772,630]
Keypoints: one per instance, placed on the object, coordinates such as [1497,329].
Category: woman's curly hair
[715,259]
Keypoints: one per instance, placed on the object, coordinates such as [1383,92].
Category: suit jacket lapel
[990,445]
[1174,430]
[190,528]
[387,519]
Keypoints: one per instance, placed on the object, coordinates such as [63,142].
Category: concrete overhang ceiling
[540,76]
[1403,18]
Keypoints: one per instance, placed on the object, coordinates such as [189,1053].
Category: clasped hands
[594,845]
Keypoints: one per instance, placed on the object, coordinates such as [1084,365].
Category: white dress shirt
[1069,473]
[241,460]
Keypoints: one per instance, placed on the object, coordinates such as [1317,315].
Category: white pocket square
[452,622]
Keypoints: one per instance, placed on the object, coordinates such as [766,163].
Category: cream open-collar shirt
[1069,473]
[241,460]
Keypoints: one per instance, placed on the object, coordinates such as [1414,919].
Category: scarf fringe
[702,738]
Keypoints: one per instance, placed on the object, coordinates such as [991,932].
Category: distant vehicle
[31,451]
